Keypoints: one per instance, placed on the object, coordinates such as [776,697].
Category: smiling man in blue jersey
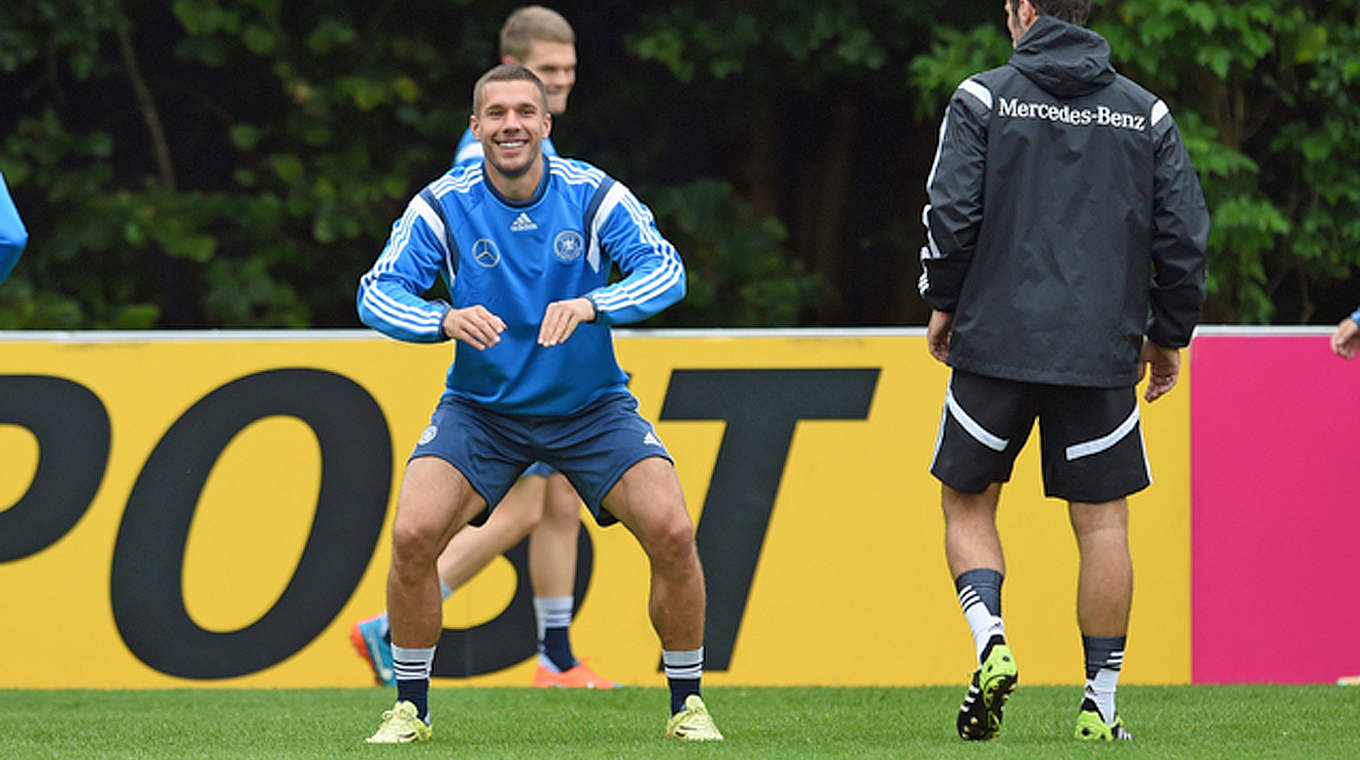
[525,243]
[542,504]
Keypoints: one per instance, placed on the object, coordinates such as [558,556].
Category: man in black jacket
[1064,257]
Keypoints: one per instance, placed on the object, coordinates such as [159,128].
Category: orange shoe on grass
[580,677]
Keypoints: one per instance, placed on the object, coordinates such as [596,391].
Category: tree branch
[165,166]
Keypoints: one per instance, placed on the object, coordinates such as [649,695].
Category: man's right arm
[390,297]
[953,214]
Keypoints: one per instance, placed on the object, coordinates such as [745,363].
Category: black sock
[1103,652]
[986,584]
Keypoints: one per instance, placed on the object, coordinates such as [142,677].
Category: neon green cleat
[693,723]
[991,685]
[1092,728]
[401,726]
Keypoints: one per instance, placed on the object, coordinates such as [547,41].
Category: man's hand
[1346,339]
[561,318]
[475,326]
[1165,365]
[937,334]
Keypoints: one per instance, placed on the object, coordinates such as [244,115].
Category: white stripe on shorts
[1097,445]
[969,424]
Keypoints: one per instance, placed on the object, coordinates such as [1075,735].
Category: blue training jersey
[13,236]
[470,151]
[514,259]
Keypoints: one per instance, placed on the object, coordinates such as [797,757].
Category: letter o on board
[146,579]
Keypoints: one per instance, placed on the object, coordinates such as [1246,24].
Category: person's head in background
[540,40]
[1021,14]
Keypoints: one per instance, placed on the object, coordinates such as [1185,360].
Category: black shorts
[1092,444]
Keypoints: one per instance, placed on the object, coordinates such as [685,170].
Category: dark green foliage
[205,163]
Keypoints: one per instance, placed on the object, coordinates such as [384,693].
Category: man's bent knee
[672,541]
[415,545]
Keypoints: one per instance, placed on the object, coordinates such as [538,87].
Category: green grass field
[1210,722]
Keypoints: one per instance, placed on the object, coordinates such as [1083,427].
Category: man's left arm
[653,274]
[1180,234]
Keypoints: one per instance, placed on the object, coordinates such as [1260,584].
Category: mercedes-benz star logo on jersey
[484,252]
[568,246]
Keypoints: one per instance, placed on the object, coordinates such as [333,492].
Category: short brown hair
[530,23]
[507,72]
[1071,11]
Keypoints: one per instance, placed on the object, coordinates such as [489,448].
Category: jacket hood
[1064,59]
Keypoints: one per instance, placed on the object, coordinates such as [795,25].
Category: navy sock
[417,692]
[681,688]
[557,646]
[684,669]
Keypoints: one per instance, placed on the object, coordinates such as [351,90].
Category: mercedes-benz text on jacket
[1065,220]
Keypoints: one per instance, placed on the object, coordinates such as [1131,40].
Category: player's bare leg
[552,569]
[971,540]
[471,549]
[1105,582]
[1104,598]
[649,501]
[977,565]
[434,502]
[552,544]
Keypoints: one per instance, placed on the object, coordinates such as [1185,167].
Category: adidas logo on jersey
[651,438]
[523,223]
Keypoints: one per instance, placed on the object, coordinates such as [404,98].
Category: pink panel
[1275,447]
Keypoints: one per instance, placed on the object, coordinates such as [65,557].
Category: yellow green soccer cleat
[693,723]
[1092,728]
[401,726]
[990,686]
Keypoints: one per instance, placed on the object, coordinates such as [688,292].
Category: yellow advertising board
[211,509]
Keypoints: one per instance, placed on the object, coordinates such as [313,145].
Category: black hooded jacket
[1065,220]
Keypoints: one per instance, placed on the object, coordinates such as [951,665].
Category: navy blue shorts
[1091,443]
[593,447]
